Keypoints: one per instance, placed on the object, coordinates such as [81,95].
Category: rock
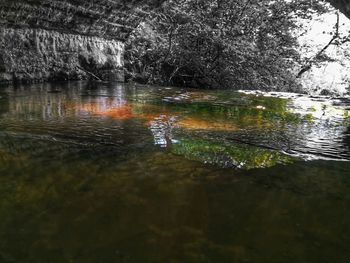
[38,55]
[110,19]
[62,40]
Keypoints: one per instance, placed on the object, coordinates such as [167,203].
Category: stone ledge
[36,55]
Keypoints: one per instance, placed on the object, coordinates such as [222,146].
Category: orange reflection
[187,123]
[153,116]
[198,124]
[123,112]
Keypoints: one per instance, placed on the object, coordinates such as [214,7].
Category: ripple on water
[123,116]
[114,174]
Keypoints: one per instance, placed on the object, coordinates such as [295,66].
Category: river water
[129,173]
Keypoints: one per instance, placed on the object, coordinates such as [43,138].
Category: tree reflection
[119,114]
[4,103]
[162,130]
[347,138]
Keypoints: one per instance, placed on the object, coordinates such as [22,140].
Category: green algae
[230,155]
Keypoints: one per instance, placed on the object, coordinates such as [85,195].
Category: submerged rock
[225,155]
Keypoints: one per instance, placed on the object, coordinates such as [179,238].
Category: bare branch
[310,63]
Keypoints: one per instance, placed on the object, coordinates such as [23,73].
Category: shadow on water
[4,103]
[137,174]
[347,138]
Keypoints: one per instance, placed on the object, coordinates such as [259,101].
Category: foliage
[219,44]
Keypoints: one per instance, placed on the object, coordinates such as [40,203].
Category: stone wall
[28,55]
[66,39]
[113,19]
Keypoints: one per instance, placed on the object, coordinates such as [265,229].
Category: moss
[230,155]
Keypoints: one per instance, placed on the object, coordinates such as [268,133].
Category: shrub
[219,44]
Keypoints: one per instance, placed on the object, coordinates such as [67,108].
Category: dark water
[119,173]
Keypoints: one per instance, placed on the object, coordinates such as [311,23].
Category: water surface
[127,173]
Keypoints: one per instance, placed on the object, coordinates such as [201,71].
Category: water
[114,173]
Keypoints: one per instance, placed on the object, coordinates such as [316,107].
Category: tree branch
[310,63]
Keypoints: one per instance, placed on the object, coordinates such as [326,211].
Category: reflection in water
[141,174]
[238,155]
[122,112]
[4,104]
[311,128]
[347,138]
[199,124]
[162,130]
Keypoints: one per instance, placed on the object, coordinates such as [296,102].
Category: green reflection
[246,111]
[234,155]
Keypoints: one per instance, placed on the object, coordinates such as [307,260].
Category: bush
[219,44]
